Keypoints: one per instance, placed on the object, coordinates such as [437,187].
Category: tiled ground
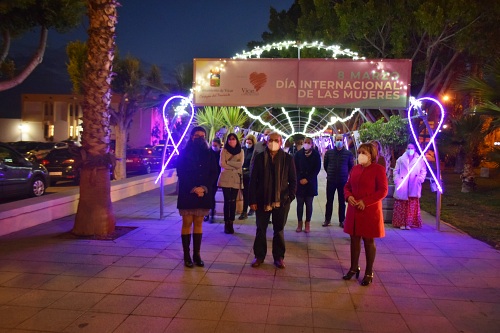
[425,280]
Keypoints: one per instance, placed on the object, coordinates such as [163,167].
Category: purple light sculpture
[416,104]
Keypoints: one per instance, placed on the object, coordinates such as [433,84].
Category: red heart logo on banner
[258,80]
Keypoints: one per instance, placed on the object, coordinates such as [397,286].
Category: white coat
[231,169]
[412,186]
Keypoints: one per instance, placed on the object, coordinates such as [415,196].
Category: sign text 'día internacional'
[305,82]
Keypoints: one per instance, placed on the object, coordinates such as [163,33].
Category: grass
[476,213]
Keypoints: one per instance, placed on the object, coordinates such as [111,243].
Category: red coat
[370,185]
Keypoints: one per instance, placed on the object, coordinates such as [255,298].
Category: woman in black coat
[307,165]
[196,174]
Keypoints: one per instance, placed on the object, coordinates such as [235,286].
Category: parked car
[143,160]
[61,165]
[20,177]
[33,150]
[159,150]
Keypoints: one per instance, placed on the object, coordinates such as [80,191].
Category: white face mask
[307,146]
[248,145]
[273,146]
[411,152]
[362,159]
[215,148]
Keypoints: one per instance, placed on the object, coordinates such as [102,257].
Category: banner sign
[342,83]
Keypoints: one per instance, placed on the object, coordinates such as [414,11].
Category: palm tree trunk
[95,212]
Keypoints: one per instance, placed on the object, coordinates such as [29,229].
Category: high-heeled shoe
[351,273]
[367,279]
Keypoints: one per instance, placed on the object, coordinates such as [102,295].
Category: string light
[335,50]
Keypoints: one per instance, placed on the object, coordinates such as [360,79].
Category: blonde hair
[251,137]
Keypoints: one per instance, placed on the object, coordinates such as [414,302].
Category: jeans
[331,187]
[279,217]
[230,195]
[300,207]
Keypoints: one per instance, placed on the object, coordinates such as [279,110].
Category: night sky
[162,32]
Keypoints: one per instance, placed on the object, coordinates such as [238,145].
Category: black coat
[338,164]
[196,167]
[307,167]
[257,186]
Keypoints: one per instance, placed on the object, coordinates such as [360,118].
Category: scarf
[273,170]
[233,151]
[308,152]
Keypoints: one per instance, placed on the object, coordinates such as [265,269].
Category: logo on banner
[258,80]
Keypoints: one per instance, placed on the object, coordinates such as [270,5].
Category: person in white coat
[231,163]
[408,189]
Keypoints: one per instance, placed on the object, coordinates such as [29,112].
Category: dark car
[20,177]
[33,150]
[159,150]
[143,160]
[61,165]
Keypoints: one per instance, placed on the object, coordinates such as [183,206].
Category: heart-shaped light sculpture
[417,105]
[179,110]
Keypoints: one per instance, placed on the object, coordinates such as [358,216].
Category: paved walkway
[425,280]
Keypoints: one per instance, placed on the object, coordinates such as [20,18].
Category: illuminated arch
[297,121]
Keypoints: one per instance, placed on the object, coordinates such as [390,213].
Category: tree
[137,90]
[95,215]
[392,135]
[210,118]
[441,37]
[20,16]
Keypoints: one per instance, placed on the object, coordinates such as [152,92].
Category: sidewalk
[425,280]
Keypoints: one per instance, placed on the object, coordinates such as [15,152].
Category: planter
[388,204]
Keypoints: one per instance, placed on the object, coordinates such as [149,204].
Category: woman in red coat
[364,191]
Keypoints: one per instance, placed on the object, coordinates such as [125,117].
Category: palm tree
[233,117]
[211,119]
[485,91]
[95,212]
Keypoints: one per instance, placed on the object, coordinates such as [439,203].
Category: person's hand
[303,181]
[199,191]
[352,201]
[360,205]
[253,207]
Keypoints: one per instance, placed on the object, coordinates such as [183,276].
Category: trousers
[279,216]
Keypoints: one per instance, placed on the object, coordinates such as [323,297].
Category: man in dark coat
[273,183]
[337,163]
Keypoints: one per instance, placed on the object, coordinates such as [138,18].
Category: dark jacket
[195,168]
[338,164]
[257,186]
[246,163]
[308,168]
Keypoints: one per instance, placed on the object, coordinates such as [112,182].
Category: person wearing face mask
[248,152]
[409,174]
[365,189]
[231,162]
[297,146]
[273,183]
[307,166]
[216,147]
[337,163]
[196,174]
[260,146]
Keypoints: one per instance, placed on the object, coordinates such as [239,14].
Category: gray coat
[231,169]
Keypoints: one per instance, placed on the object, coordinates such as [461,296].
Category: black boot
[196,250]
[186,240]
[228,227]
[212,213]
